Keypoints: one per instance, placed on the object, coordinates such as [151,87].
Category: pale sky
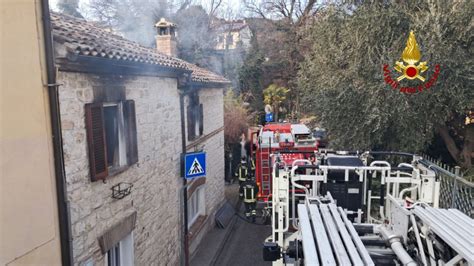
[235,5]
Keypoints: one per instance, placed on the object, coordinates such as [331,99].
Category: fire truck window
[286,137]
[267,137]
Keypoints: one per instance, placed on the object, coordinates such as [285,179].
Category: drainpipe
[185,186]
[63,208]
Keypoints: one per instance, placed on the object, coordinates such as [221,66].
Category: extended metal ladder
[265,169]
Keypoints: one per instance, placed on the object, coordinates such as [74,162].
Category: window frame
[123,250]
[195,117]
[196,205]
[97,140]
[122,138]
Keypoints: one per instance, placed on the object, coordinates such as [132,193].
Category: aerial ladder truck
[354,209]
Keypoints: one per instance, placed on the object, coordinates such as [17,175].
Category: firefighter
[252,165]
[248,192]
[242,171]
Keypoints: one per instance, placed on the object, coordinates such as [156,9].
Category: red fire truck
[291,141]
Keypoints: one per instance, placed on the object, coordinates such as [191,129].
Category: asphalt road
[244,245]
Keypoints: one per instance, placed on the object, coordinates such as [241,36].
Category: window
[229,40]
[196,205]
[112,137]
[195,117]
[121,253]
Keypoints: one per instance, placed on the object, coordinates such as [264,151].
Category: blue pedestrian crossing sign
[269,117]
[194,165]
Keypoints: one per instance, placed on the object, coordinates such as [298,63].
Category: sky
[235,5]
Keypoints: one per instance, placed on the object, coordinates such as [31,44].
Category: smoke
[196,34]
[134,19]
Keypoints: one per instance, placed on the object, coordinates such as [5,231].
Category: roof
[85,38]
[163,23]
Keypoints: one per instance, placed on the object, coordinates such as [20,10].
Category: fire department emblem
[410,68]
[411,56]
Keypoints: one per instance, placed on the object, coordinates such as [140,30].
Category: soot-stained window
[112,137]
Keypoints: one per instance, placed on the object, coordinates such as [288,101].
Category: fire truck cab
[290,141]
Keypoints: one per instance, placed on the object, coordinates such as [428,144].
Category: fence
[455,192]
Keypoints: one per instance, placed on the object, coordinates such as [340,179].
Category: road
[244,245]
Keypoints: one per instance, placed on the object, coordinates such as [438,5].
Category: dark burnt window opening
[115,135]
[195,117]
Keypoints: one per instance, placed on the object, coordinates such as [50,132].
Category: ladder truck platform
[329,238]
[356,209]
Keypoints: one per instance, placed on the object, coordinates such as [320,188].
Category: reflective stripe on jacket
[249,194]
[242,173]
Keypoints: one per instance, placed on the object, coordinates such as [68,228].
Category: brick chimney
[166,37]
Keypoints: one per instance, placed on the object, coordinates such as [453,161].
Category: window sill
[201,139]
[117,170]
[196,227]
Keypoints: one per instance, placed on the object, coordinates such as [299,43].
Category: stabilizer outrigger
[325,213]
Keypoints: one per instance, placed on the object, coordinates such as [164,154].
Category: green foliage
[275,95]
[251,76]
[341,79]
[236,118]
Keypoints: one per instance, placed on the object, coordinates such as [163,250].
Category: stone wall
[155,178]
[212,142]
[213,105]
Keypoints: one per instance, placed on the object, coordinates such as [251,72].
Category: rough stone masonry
[155,178]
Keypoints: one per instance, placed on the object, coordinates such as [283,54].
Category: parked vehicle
[320,134]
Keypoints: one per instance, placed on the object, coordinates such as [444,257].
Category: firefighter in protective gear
[252,165]
[242,171]
[248,192]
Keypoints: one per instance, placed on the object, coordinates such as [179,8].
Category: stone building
[232,34]
[120,106]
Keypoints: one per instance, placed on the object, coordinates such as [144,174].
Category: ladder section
[265,171]
[326,231]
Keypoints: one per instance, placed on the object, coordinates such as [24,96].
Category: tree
[275,95]
[293,11]
[278,26]
[342,82]
[236,118]
[251,76]
[196,41]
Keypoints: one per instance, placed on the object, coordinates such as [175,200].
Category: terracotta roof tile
[85,38]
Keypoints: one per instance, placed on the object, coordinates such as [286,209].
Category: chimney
[166,37]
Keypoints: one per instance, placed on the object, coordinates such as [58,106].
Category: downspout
[182,93]
[63,208]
